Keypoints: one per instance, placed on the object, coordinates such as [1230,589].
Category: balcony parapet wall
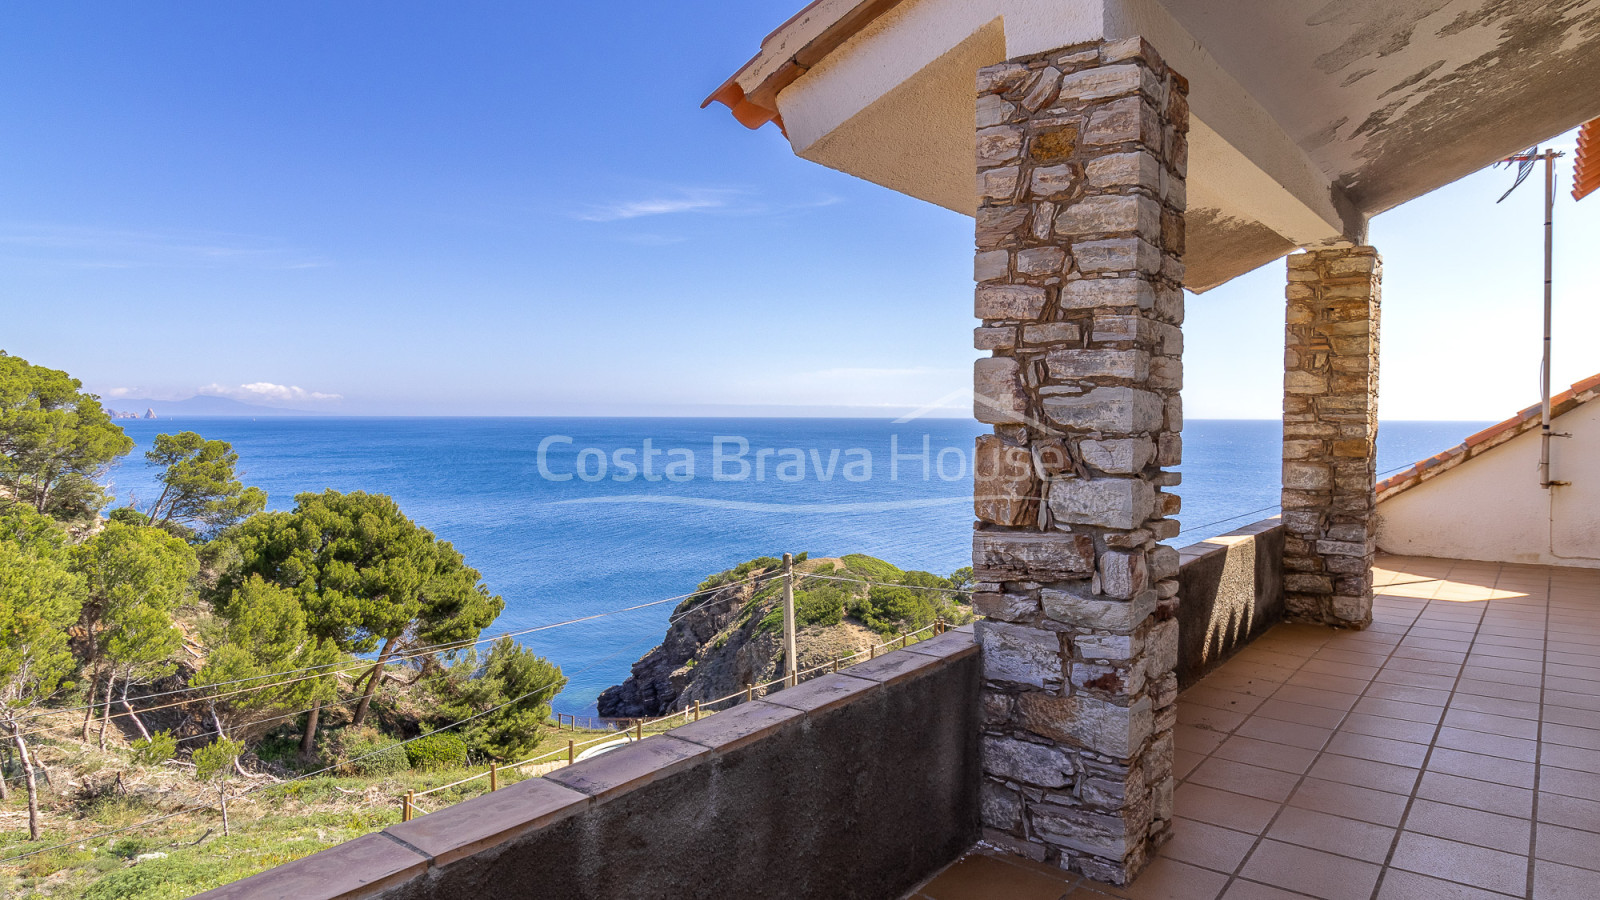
[1232,592]
[855,785]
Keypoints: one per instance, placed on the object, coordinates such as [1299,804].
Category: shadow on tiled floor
[1452,750]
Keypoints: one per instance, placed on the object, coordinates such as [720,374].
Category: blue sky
[518,209]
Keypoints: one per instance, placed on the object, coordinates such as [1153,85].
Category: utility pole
[791,668]
[1549,157]
[1525,162]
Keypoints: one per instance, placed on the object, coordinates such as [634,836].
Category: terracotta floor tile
[1168,879]
[1488,744]
[1350,801]
[1576,718]
[1300,714]
[1393,729]
[1423,666]
[1324,682]
[1365,773]
[1576,758]
[1517,709]
[1249,890]
[1241,813]
[1340,669]
[1197,740]
[1305,737]
[1567,735]
[1208,846]
[1252,781]
[1267,754]
[1571,812]
[1570,783]
[1208,717]
[1553,881]
[1379,749]
[1333,834]
[1310,871]
[1569,700]
[1315,697]
[980,876]
[1568,846]
[1469,826]
[1571,685]
[1399,884]
[1183,762]
[1473,794]
[1415,679]
[1489,723]
[1484,663]
[1478,688]
[1409,694]
[1480,767]
[1205,695]
[1479,867]
[1395,709]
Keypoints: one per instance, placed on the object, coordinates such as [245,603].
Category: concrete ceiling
[1309,116]
[1394,98]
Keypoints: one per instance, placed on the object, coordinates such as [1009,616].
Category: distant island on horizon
[198,405]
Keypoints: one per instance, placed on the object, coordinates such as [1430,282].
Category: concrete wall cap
[489,819]
[950,645]
[822,694]
[355,869]
[738,726]
[895,666]
[630,767]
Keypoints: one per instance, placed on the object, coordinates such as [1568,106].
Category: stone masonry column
[1081,160]
[1330,430]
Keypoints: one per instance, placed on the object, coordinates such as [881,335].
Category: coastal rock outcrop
[731,635]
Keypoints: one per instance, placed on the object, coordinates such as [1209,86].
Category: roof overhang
[1308,116]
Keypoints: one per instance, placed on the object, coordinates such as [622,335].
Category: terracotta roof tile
[1489,438]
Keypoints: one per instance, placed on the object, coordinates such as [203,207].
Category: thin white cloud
[684,201]
[679,201]
[268,392]
[92,247]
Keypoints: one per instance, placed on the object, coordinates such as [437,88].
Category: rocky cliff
[731,634]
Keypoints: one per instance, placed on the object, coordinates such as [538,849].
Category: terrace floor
[1452,750]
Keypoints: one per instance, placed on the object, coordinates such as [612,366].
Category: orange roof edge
[1489,438]
[759,105]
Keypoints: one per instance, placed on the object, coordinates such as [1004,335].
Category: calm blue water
[601,538]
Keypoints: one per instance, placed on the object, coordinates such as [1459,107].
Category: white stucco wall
[1492,508]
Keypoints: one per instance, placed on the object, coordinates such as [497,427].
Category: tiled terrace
[1452,750]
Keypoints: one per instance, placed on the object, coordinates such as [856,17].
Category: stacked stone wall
[1081,156]
[1330,430]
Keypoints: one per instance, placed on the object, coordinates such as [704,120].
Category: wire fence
[692,712]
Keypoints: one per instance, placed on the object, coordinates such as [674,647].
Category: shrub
[872,567]
[172,878]
[892,608]
[156,749]
[365,752]
[437,751]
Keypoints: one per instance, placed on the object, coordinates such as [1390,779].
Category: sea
[573,517]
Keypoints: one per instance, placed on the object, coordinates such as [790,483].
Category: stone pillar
[1081,160]
[1330,430]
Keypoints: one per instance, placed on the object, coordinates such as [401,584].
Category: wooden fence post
[571,752]
[494,776]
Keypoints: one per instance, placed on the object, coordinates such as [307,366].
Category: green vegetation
[248,624]
[155,749]
[55,441]
[199,487]
[880,596]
